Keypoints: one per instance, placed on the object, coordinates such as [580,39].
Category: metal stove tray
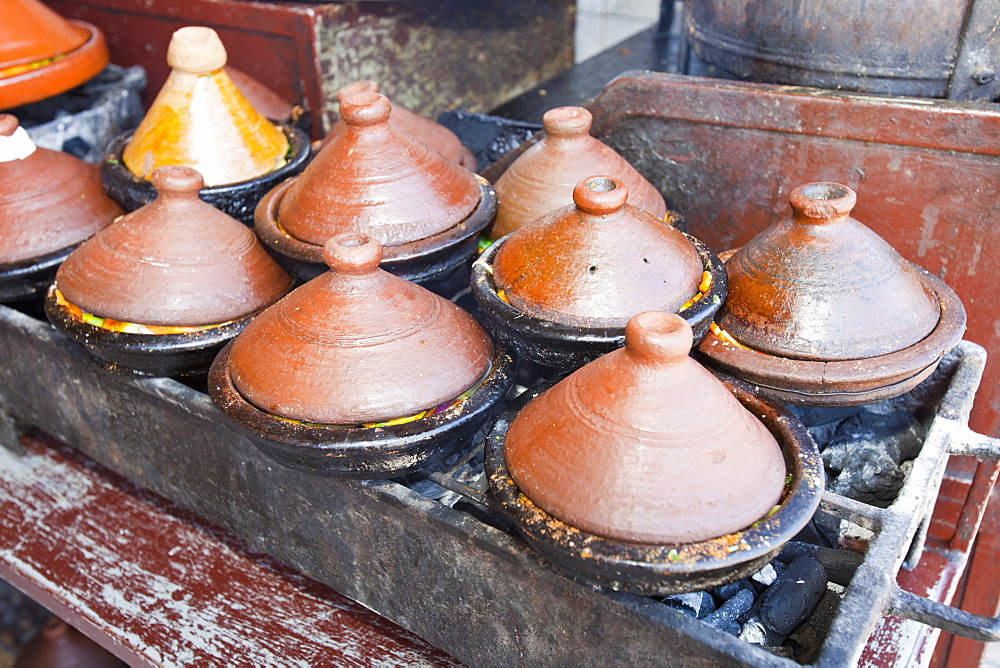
[466,585]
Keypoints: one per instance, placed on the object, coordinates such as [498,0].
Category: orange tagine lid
[49,200]
[200,119]
[645,445]
[176,261]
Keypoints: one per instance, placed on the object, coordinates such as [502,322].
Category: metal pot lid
[375,180]
[48,200]
[598,261]
[358,345]
[200,119]
[543,177]
[176,261]
[820,285]
[644,445]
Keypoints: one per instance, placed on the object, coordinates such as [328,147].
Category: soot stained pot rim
[667,569]
[419,261]
[845,382]
[363,452]
[128,353]
[236,199]
[563,346]
[31,278]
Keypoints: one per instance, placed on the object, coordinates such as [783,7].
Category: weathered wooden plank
[161,588]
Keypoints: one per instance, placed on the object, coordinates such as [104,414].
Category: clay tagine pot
[360,373]
[561,289]
[49,203]
[643,471]
[199,119]
[42,54]
[822,311]
[370,178]
[263,99]
[542,178]
[165,287]
[59,645]
[435,135]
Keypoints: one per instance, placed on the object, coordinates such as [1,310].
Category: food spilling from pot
[822,311]
[360,373]
[50,202]
[201,120]
[163,288]
[644,472]
[561,289]
[374,179]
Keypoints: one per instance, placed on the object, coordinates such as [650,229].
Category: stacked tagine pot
[49,203]
[200,120]
[542,178]
[161,290]
[42,54]
[435,135]
[642,471]
[561,289]
[360,373]
[822,311]
[370,178]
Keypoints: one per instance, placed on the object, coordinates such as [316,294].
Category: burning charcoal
[735,606]
[766,575]
[733,628]
[727,591]
[864,455]
[807,641]
[695,604]
[755,633]
[815,416]
[793,596]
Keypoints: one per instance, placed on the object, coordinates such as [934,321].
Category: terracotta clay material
[667,569]
[372,179]
[646,446]
[543,177]
[262,98]
[49,203]
[359,373]
[435,135]
[358,345]
[199,119]
[561,289]
[59,645]
[176,261]
[823,311]
[598,261]
[42,54]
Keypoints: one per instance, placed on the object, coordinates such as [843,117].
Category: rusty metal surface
[727,154]
[977,70]
[429,57]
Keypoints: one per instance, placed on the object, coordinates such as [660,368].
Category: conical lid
[263,99]
[199,119]
[819,285]
[358,345]
[176,261]
[30,32]
[435,135]
[644,445]
[597,262]
[373,179]
[48,200]
[542,178]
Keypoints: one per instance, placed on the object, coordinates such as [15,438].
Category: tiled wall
[603,23]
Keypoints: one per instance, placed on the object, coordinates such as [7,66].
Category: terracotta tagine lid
[358,345]
[598,261]
[262,98]
[176,262]
[199,119]
[819,285]
[59,645]
[42,54]
[373,179]
[644,445]
[48,200]
[543,177]
[435,135]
